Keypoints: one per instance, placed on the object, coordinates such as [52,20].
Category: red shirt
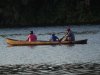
[32,37]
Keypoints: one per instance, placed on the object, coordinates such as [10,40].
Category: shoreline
[44,25]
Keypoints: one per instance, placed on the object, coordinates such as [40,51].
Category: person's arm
[50,39]
[27,38]
[57,38]
[63,37]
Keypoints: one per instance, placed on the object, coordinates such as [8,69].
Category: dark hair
[53,34]
[31,32]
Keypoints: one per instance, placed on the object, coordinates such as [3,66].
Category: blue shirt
[54,38]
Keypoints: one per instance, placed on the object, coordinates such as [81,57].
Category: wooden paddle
[63,37]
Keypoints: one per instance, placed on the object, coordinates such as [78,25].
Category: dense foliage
[48,12]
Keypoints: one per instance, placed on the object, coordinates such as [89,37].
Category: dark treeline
[48,12]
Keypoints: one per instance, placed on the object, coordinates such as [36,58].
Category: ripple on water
[52,69]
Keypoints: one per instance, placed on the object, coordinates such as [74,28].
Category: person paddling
[32,37]
[69,36]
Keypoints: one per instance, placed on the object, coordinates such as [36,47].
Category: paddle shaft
[63,37]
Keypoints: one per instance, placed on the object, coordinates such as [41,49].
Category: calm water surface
[58,54]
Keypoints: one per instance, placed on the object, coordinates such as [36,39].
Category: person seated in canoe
[32,37]
[69,36]
[54,38]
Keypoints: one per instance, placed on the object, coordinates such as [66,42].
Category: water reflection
[29,46]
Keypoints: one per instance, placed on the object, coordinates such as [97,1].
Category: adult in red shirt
[32,37]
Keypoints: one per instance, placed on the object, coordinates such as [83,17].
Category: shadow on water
[33,46]
[30,46]
[70,45]
[51,69]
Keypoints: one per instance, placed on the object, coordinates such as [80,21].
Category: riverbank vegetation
[48,12]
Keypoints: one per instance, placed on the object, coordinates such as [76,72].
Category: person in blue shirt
[54,38]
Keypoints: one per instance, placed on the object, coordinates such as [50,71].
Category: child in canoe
[54,38]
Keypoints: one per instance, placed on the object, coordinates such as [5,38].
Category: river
[58,54]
